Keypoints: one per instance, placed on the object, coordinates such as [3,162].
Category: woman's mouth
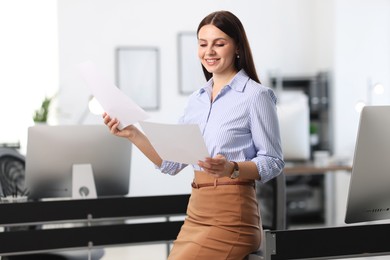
[211,61]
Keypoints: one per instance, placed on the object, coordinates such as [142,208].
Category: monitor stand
[83,183]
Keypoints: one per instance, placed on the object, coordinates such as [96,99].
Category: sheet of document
[176,142]
[116,103]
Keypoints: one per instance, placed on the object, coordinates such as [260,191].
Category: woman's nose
[210,50]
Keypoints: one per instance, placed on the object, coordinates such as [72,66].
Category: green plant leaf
[41,114]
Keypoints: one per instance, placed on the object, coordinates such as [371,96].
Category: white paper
[114,102]
[181,143]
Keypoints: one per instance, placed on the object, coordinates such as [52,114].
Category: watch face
[236,171]
[235,174]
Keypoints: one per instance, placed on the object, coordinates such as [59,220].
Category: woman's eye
[219,44]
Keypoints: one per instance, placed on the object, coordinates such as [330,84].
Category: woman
[238,120]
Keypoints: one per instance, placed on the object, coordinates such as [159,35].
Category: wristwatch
[236,171]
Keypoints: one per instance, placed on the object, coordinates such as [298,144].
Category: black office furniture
[306,194]
[272,203]
[99,217]
[328,243]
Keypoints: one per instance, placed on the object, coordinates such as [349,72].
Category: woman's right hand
[113,123]
[135,136]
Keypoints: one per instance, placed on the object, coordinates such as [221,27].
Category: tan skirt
[222,222]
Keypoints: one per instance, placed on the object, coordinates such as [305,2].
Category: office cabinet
[305,196]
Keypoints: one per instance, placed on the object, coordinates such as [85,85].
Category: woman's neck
[221,80]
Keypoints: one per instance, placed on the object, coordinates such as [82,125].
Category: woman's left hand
[217,166]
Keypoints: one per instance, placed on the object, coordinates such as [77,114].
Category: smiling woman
[238,121]
[28,64]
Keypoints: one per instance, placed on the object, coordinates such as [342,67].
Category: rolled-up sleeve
[171,168]
[266,137]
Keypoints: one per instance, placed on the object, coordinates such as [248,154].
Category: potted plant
[41,114]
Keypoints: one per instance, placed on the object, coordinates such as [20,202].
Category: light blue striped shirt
[241,124]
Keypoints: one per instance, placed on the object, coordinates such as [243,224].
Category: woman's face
[216,50]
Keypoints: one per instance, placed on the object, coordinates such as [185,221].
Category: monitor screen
[52,151]
[369,187]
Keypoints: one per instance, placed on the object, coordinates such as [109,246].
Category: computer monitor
[294,121]
[52,151]
[369,187]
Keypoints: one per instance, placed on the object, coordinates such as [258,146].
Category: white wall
[282,38]
[361,51]
[28,63]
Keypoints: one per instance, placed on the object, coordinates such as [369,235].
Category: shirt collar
[237,83]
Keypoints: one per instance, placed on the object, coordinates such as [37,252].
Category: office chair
[12,176]
[12,166]
[272,205]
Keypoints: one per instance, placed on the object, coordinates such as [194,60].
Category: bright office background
[28,63]
[42,41]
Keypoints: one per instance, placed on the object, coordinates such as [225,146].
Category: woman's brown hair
[232,26]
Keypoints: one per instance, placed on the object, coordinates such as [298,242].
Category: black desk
[327,243]
[96,214]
